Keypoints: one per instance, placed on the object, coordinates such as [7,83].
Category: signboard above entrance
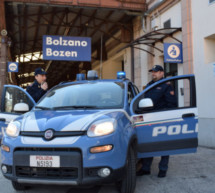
[173,53]
[66,48]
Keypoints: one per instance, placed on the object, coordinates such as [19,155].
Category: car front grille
[48,173]
[48,149]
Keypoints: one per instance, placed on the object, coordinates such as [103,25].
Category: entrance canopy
[27,21]
[151,38]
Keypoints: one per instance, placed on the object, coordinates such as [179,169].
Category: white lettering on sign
[50,52]
[174,130]
[61,42]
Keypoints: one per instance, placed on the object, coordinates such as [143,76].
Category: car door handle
[188,115]
[3,119]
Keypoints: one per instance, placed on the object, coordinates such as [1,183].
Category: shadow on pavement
[84,190]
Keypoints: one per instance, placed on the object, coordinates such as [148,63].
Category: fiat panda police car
[92,131]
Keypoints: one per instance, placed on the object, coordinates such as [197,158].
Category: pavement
[188,173]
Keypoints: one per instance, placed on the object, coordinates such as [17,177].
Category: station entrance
[24,22]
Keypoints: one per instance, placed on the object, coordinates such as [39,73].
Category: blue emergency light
[80,77]
[121,75]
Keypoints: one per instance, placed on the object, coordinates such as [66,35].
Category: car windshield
[95,95]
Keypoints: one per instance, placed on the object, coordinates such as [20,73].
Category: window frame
[30,100]
[192,96]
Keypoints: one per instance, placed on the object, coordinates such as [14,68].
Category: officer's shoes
[142,172]
[162,174]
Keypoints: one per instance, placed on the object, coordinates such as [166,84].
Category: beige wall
[113,64]
[110,67]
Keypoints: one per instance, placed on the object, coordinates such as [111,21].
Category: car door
[171,130]
[12,95]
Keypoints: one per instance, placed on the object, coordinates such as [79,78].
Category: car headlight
[13,129]
[102,127]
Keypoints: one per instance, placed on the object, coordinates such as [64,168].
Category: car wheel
[18,186]
[128,183]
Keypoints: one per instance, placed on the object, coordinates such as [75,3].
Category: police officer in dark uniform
[40,86]
[163,97]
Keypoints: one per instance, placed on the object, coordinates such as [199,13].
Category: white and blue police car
[93,131]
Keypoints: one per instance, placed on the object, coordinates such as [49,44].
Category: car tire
[128,183]
[18,186]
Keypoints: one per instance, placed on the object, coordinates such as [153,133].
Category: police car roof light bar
[80,77]
[92,75]
[121,75]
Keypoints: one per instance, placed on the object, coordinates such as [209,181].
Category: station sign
[66,48]
[173,53]
[12,66]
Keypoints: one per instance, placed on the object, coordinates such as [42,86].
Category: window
[97,95]
[167,24]
[136,90]
[211,1]
[130,94]
[177,94]
[14,96]
[209,49]
[169,95]
[170,69]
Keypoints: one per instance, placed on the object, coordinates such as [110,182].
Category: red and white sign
[44,161]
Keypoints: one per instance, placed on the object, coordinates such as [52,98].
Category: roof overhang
[151,38]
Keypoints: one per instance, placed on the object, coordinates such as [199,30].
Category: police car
[91,132]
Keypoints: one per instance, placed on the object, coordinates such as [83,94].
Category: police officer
[163,97]
[40,86]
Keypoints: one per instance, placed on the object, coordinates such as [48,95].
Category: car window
[13,96]
[174,94]
[130,94]
[98,94]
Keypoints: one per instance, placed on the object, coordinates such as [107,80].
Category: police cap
[156,68]
[39,71]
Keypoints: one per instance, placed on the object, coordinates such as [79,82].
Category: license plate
[46,161]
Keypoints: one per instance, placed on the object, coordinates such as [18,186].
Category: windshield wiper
[43,108]
[76,107]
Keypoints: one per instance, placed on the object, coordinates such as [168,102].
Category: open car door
[170,130]
[13,95]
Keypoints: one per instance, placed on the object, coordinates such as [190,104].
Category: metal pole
[101,56]
[132,57]
[132,63]
[3,62]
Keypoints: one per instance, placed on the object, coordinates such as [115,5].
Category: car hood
[77,120]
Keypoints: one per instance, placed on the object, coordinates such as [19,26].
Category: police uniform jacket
[36,91]
[163,96]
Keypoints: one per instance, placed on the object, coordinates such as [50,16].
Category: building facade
[204,67]
[194,18]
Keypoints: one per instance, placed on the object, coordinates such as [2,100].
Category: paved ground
[191,173]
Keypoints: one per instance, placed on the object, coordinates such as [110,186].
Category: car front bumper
[77,165]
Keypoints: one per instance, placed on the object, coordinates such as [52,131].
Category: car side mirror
[145,103]
[21,108]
